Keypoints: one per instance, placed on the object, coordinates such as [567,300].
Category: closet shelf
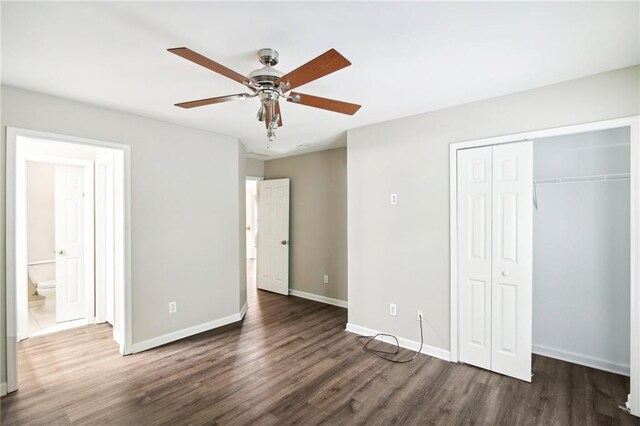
[582,179]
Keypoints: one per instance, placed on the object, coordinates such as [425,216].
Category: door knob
[61,252]
[284,242]
[505,273]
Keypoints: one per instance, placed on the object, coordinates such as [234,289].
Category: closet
[543,252]
[494,257]
[581,249]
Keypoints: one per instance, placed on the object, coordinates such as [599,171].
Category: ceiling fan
[269,84]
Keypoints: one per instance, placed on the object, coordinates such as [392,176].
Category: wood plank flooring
[290,361]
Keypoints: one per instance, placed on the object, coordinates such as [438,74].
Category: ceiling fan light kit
[270,85]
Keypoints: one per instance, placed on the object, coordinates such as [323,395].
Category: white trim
[117,336]
[554,131]
[244,309]
[42,262]
[104,237]
[254,178]
[633,401]
[185,332]
[588,361]
[10,255]
[453,253]
[634,124]
[318,298]
[404,343]
[3,388]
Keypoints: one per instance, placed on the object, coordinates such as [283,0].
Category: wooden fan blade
[323,103]
[279,114]
[325,64]
[209,64]
[210,101]
[267,115]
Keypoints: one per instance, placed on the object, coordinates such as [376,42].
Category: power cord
[381,353]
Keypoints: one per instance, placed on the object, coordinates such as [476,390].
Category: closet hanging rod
[582,179]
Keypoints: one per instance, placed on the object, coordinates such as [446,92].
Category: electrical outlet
[394,199]
[173,307]
[419,315]
[392,309]
[326,279]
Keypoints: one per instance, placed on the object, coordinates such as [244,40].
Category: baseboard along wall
[587,361]
[404,343]
[318,298]
[187,332]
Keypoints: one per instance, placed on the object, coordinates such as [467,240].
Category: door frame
[633,123]
[255,179]
[104,240]
[21,234]
[124,240]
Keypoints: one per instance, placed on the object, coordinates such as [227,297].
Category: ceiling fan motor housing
[266,76]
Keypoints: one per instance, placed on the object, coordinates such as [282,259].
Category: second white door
[69,236]
[273,236]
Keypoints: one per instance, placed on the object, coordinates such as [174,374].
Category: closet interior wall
[581,249]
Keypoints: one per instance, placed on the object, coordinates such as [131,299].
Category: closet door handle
[505,273]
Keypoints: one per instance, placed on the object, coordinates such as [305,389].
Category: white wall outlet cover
[419,315]
[326,279]
[394,199]
[392,309]
[173,307]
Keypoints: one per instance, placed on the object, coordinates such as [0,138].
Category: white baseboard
[3,388]
[185,332]
[318,298]
[405,343]
[243,311]
[118,337]
[587,361]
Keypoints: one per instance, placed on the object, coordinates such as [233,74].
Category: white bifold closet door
[495,186]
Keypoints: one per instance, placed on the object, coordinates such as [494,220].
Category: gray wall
[40,211]
[400,254]
[318,220]
[185,209]
[41,236]
[581,254]
[254,167]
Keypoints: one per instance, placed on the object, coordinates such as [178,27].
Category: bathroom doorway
[60,219]
[77,260]
[66,195]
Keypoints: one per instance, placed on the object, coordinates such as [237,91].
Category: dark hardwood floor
[289,361]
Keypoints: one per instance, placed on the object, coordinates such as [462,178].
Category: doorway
[251,226]
[60,252]
[630,126]
[68,238]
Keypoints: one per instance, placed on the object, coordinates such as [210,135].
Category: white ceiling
[408,58]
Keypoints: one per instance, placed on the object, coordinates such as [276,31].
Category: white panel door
[69,235]
[512,242]
[273,236]
[474,256]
